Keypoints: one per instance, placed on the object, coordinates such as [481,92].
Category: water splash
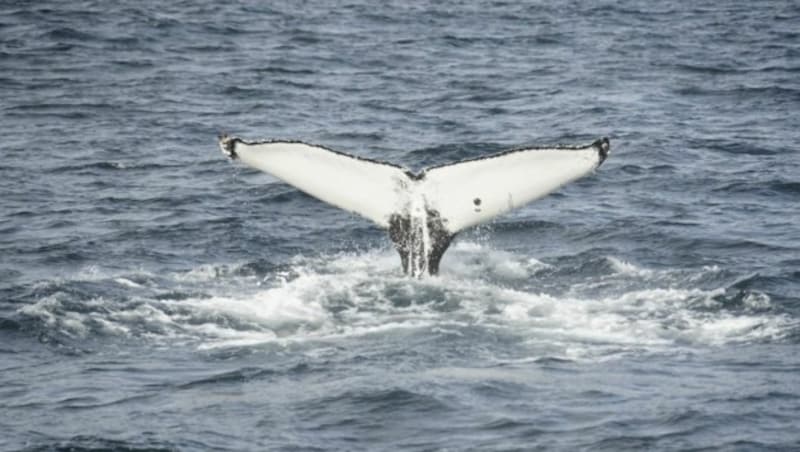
[617,308]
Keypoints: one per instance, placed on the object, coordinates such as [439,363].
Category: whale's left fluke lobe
[421,211]
[374,190]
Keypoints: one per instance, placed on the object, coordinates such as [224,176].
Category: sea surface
[155,296]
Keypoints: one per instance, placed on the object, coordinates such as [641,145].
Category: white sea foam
[126,282]
[628,268]
[326,298]
[467,259]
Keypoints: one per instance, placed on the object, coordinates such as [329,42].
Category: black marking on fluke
[477,203]
[603,145]
[408,238]
[415,176]
[234,140]
[228,145]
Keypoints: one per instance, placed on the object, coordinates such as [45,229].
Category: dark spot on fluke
[476,201]
[415,176]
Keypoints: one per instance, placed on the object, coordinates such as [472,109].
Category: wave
[571,308]
[775,187]
[67,34]
[95,167]
[93,443]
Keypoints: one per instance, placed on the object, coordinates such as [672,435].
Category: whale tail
[422,211]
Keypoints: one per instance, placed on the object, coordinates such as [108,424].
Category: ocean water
[154,296]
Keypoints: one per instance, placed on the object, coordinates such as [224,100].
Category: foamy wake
[617,307]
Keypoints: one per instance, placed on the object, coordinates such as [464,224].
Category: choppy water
[155,297]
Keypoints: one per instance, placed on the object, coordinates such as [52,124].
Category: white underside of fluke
[475,191]
[464,193]
[372,190]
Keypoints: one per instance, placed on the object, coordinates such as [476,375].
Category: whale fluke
[422,211]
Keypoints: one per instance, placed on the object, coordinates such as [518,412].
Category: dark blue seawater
[153,296]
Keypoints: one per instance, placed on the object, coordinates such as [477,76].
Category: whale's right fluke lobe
[424,211]
[471,192]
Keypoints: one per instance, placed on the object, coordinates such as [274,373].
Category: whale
[422,211]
